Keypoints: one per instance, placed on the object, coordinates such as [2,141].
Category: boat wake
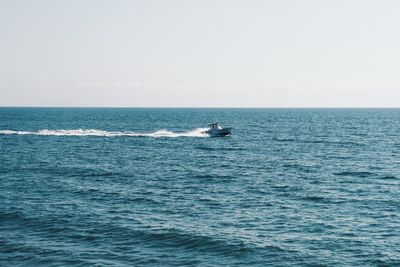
[199,132]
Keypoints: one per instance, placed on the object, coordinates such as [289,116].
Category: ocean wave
[10,215]
[316,198]
[388,177]
[359,174]
[93,132]
[219,148]
[284,139]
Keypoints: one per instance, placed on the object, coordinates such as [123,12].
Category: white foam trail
[93,132]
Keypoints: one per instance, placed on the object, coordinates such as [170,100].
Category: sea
[146,187]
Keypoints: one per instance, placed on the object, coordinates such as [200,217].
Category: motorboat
[217,131]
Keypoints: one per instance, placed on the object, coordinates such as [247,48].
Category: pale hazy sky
[219,53]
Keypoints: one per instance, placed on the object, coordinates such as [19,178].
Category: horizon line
[211,107]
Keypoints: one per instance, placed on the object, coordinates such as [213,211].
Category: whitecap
[199,132]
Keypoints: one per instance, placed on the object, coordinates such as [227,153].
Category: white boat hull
[218,132]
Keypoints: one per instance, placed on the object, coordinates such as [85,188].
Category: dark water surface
[144,187]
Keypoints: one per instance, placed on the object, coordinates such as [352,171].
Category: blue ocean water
[144,187]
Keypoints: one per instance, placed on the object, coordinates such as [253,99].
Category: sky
[200,53]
